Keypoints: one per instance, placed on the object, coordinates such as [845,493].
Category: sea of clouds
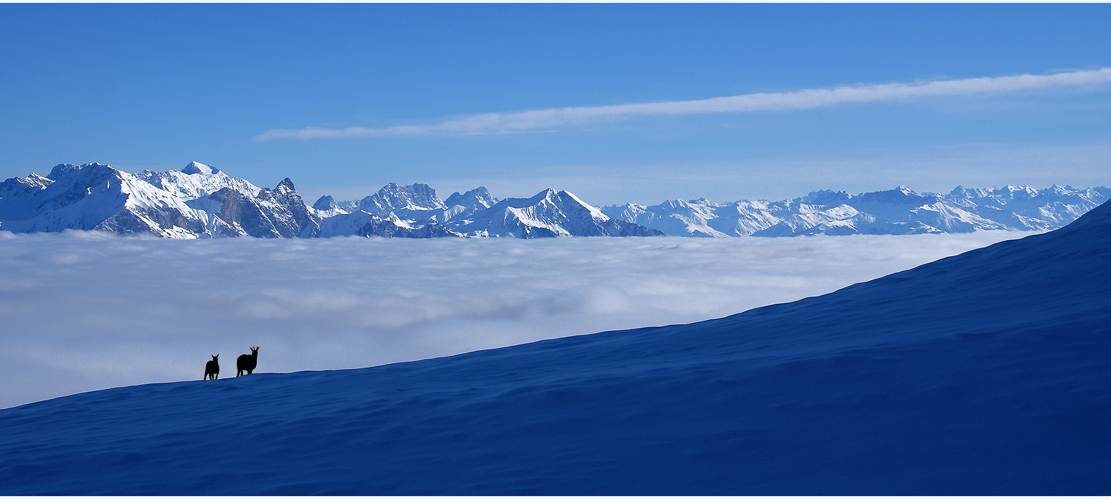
[84,311]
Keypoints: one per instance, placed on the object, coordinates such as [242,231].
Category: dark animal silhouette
[247,362]
[212,368]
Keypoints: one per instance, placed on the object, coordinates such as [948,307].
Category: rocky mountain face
[197,202]
[203,202]
[898,211]
[414,200]
[271,213]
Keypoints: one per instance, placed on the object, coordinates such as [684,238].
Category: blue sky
[240,86]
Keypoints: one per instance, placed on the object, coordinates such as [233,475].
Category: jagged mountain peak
[64,169]
[475,198]
[37,179]
[393,196]
[325,203]
[555,199]
[548,194]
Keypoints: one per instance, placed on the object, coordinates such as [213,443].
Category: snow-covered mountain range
[898,211]
[203,202]
[985,373]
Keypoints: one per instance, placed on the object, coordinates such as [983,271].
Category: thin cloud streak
[547,119]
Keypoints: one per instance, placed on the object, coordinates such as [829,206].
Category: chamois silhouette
[212,368]
[247,362]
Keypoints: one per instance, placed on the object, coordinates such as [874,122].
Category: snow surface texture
[983,373]
[203,202]
[88,310]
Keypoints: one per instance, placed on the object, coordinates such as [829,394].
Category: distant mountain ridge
[201,201]
[898,211]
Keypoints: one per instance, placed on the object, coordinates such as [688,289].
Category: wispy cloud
[554,118]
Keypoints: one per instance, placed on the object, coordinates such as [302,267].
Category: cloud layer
[84,311]
[547,119]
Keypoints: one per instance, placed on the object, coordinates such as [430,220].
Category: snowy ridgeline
[202,202]
[985,373]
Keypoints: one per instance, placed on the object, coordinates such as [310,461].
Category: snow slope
[982,373]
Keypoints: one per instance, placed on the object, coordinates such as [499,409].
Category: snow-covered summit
[473,199]
[199,168]
[462,207]
[402,198]
[325,203]
[196,180]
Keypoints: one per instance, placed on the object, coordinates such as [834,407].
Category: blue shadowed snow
[984,373]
